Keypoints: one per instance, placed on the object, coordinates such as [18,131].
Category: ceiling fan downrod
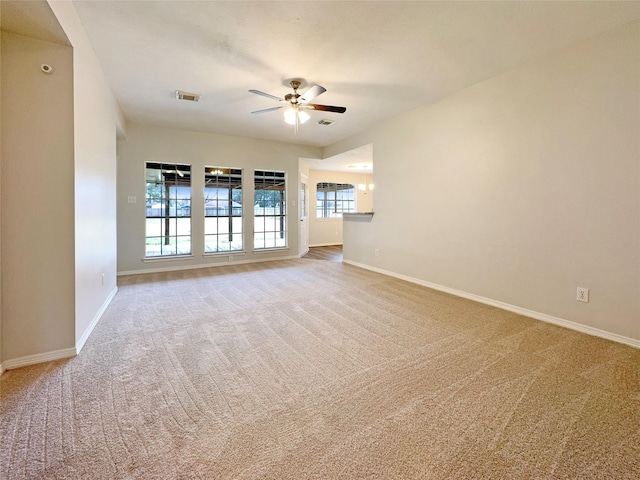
[293,97]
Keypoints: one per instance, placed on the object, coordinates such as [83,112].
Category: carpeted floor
[312,369]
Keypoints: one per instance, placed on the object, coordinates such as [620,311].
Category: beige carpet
[313,369]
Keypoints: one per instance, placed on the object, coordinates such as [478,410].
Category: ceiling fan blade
[258,92]
[272,109]
[325,108]
[310,94]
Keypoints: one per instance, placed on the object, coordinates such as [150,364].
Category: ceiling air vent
[326,122]
[192,97]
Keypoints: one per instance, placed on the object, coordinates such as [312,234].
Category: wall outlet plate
[582,295]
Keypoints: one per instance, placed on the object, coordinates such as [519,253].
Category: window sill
[225,254]
[166,258]
[269,250]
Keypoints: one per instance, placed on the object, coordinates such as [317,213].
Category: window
[222,209]
[270,220]
[333,199]
[168,206]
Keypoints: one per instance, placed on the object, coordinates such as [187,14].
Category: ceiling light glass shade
[371,186]
[290,116]
[303,116]
[362,186]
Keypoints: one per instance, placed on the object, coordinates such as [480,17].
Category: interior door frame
[303,214]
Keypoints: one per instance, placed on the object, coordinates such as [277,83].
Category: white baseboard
[59,354]
[39,358]
[203,265]
[325,244]
[96,319]
[506,306]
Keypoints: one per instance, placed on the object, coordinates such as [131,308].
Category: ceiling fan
[296,104]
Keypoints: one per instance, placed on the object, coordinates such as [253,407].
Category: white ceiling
[356,160]
[378,59]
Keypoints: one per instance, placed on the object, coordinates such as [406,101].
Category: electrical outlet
[103,279]
[230,258]
[582,295]
[376,252]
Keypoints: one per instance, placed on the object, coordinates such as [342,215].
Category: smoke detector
[192,97]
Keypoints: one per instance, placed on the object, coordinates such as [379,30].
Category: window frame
[278,182]
[172,198]
[327,188]
[224,178]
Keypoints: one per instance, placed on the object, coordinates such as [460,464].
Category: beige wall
[58,188]
[329,231]
[37,198]
[521,188]
[96,116]
[198,149]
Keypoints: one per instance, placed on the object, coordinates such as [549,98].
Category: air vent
[326,122]
[192,97]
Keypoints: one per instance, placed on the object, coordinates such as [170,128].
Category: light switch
[131,199]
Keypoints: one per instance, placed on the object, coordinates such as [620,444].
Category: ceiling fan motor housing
[292,97]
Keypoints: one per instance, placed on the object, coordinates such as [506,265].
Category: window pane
[154,227]
[183,226]
[223,225]
[210,243]
[153,246]
[171,248]
[210,225]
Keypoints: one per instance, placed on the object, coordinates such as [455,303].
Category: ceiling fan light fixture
[291,113]
[295,112]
